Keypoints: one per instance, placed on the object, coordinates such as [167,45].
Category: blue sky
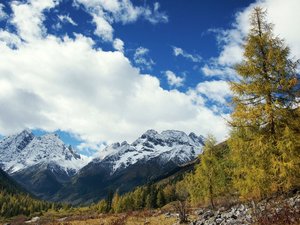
[100,71]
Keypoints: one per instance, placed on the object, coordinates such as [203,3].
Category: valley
[52,171]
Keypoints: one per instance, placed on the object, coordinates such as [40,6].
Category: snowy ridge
[169,145]
[23,150]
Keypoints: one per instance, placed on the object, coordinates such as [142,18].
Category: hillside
[15,200]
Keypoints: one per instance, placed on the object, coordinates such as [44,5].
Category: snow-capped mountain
[53,171]
[169,145]
[124,166]
[24,150]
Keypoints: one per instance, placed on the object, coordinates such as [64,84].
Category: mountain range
[51,170]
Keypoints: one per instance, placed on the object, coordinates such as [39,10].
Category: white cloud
[217,90]
[67,19]
[142,59]
[3,14]
[155,16]
[9,39]
[28,18]
[281,13]
[107,12]
[174,80]
[216,70]
[180,52]
[103,28]
[66,84]
[118,44]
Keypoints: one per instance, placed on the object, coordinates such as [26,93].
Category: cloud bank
[53,83]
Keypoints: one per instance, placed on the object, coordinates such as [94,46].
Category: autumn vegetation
[261,158]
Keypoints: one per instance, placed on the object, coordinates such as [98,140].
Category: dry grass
[115,220]
[287,215]
[132,218]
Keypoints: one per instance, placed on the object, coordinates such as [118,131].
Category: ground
[132,218]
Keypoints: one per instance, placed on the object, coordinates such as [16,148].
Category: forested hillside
[15,200]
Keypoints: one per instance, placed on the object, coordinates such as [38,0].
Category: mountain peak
[169,145]
[25,132]
[149,133]
[24,150]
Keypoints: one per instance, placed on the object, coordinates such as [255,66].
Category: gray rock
[208,214]
[219,220]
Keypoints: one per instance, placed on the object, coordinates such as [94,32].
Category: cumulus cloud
[67,19]
[216,90]
[95,94]
[216,70]
[55,83]
[10,39]
[180,52]
[118,44]
[281,13]
[106,13]
[103,28]
[142,59]
[174,80]
[28,18]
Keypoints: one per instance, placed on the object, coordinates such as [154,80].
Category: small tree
[211,178]
[181,204]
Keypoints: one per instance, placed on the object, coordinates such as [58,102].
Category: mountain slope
[15,200]
[23,150]
[41,164]
[8,185]
[125,166]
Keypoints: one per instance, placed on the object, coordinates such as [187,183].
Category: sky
[101,71]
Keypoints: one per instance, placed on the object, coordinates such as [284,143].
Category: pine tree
[109,198]
[265,141]
[160,198]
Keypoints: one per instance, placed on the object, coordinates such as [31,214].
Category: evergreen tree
[160,199]
[265,141]
[109,198]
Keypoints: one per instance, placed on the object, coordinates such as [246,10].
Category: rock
[62,219]
[199,212]
[242,207]
[208,214]
[219,220]
[222,209]
[33,220]
[249,218]
[243,214]
[234,217]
